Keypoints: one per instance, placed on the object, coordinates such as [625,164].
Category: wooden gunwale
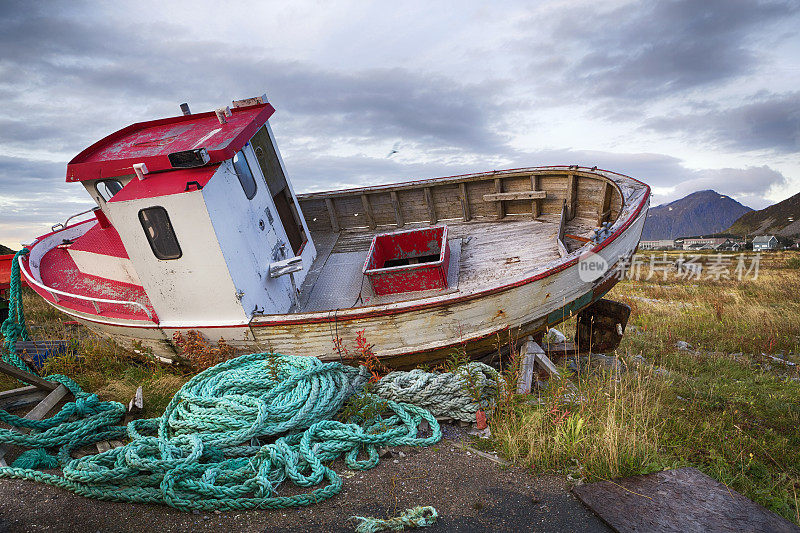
[409,305]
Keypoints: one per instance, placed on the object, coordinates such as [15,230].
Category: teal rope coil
[410,518]
[234,433]
[228,439]
[13,327]
[457,394]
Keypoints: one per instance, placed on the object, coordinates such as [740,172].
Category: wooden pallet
[42,394]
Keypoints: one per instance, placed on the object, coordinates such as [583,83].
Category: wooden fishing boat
[198,228]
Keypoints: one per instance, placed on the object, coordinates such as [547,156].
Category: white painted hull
[413,331]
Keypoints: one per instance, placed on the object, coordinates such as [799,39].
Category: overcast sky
[685,95]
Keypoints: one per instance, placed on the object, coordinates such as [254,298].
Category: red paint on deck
[59,271]
[151,142]
[389,248]
[98,240]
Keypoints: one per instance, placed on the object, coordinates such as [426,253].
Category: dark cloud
[69,76]
[67,58]
[638,52]
[770,122]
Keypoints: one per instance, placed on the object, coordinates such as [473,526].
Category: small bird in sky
[395,148]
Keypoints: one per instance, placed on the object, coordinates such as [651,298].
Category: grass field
[724,406]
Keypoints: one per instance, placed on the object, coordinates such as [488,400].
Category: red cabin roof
[152,142]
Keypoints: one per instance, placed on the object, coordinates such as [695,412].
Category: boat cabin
[196,216]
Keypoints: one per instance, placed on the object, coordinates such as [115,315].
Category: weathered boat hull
[471,320]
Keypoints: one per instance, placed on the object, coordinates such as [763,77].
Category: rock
[401,454]
[554,336]
[384,453]
[683,345]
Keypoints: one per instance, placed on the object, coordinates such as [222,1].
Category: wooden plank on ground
[547,364]
[516,195]
[529,351]
[20,398]
[39,412]
[677,500]
[27,377]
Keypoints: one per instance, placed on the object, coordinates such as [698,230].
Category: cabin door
[278,188]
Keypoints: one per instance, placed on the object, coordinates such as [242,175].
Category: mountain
[6,250]
[782,219]
[699,213]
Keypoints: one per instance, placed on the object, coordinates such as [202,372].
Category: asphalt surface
[470,493]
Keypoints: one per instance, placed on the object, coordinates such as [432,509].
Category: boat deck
[481,252]
[60,272]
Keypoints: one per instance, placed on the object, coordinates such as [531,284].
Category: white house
[765,242]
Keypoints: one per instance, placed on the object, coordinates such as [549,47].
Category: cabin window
[245,175]
[159,232]
[108,188]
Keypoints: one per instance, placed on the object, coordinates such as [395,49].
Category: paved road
[470,493]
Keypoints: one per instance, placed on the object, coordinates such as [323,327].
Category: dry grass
[725,407]
[597,426]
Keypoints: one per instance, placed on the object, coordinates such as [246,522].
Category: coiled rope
[235,432]
[13,327]
[458,394]
[410,518]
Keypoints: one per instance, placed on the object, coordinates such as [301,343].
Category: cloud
[640,51]
[771,122]
[748,186]
[73,73]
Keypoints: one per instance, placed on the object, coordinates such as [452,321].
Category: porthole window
[245,175]
[159,233]
[108,188]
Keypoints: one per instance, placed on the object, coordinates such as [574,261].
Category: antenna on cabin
[185,109]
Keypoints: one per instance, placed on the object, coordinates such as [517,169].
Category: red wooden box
[405,261]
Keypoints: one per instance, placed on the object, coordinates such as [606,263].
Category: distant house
[663,244]
[731,245]
[701,243]
[765,242]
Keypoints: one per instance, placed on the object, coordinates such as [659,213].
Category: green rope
[410,518]
[232,435]
[13,327]
[228,439]
[457,394]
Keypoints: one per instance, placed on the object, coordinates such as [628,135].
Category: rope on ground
[83,421]
[13,327]
[410,518]
[235,432]
[457,394]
